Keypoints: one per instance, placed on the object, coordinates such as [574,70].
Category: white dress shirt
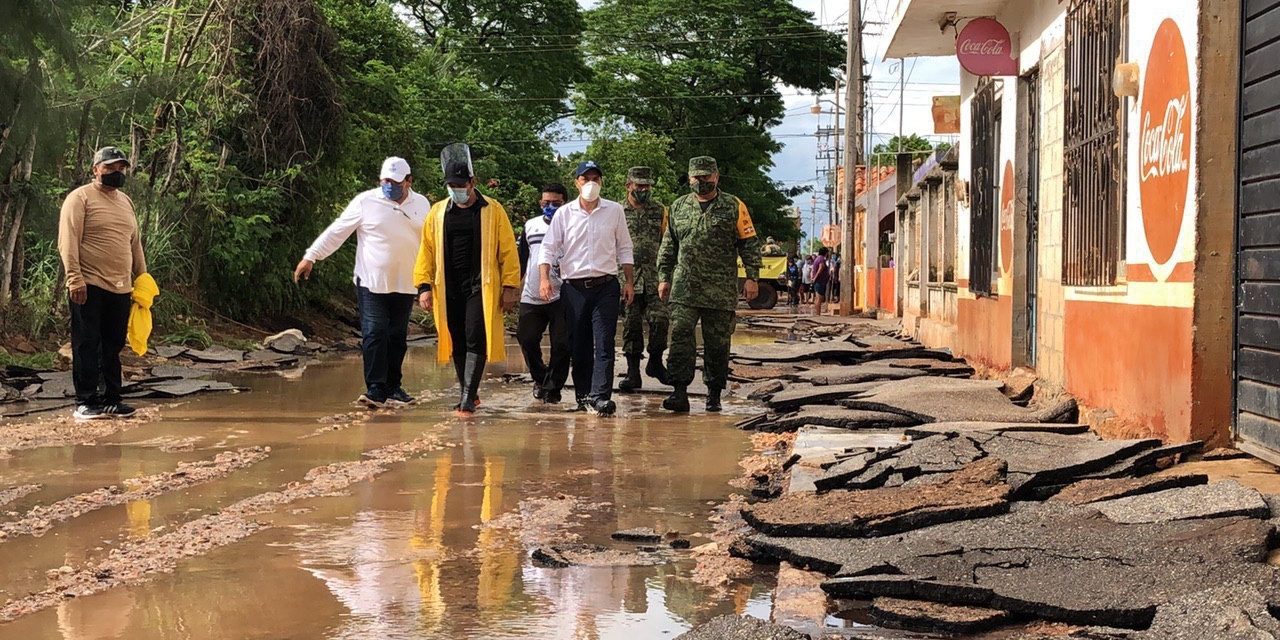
[589,244]
[387,237]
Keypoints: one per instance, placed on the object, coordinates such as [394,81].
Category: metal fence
[984,160]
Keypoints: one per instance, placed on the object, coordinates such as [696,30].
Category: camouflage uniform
[698,259]
[646,222]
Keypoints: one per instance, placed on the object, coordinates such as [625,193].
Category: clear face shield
[455,163]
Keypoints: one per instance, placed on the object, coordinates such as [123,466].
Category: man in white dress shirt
[590,237]
[387,222]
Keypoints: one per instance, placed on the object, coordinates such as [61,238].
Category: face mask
[392,191]
[459,196]
[641,196]
[590,191]
[549,211]
[703,188]
[113,179]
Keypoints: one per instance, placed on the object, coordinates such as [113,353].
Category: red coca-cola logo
[985,48]
[1164,144]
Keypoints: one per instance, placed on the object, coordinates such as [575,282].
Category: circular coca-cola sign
[985,48]
[1164,144]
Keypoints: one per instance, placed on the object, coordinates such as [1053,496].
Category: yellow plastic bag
[145,291]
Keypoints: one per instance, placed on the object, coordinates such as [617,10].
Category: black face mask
[703,187]
[114,179]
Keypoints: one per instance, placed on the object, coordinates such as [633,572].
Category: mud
[40,519]
[17,493]
[64,430]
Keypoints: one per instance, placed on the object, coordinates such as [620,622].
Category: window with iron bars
[1093,137]
[984,186]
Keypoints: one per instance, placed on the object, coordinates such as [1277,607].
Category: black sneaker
[551,396]
[118,410]
[539,393]
[581,404]
[603,408]
[373,399]
[90,412]
[399,397]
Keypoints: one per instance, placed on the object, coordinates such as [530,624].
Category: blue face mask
[392,191]
[549,211]
[459,196]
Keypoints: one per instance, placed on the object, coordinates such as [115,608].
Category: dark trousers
[593,325]
[464,313]
[384,327]
[97,335]
[534,320]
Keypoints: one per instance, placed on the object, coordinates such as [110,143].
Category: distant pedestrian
[833,286]
[538,316]
[806,279]
[793,281]
[821,280]
[387,222]
[590,237]
[101,249]
[467,274]
[646,222]
[698,272]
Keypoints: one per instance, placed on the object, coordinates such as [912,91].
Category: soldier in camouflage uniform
[698,274]
[647,222]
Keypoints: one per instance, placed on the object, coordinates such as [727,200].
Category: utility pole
[852,151]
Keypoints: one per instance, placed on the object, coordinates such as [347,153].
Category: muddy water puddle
[436,547]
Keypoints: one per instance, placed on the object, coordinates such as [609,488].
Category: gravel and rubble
[11,494]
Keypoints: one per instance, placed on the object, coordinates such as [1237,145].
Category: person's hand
[424,300]
[544,289]
[750,290]
[664,291]
[629,293]
[80,294]
[303,270]
[509,298]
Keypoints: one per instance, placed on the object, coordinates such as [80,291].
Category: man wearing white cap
[387,222]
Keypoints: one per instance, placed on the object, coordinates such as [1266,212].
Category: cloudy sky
[926,77]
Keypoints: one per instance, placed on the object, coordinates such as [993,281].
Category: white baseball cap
[394,168]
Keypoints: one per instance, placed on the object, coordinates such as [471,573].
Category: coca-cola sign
[985,49]
[1164,143]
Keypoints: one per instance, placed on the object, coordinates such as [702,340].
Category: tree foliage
[883,154]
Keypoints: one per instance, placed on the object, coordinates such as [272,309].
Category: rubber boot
[655,369]
[470,383]
[632,380]
[678,401]
[713,400]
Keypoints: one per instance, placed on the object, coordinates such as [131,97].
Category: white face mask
[459,195]
[590,191]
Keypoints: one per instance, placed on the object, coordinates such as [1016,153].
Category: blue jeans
[384,327]
[593,326]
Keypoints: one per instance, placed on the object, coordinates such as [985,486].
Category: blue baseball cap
[584,167]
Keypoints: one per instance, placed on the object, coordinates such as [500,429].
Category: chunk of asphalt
[927,617]
[216,355]
[939,454]
[639,534]
[837,417]
[850,374]
[932,366]
[796,396]
[976,491]
[1227,611]
[180,388]
[169,351]
[731,627]
[957,428]
[1040,459]
[1223,453]
[1088,491]
[931,399]
[1217,500]
[592,555]
[827,350]
[1145,462]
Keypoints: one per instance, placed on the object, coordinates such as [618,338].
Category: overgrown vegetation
[250,123]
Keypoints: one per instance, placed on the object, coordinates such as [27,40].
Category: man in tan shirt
[101,251]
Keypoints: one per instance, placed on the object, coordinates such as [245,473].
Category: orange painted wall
[1132,359]
[888,297]
[984,330]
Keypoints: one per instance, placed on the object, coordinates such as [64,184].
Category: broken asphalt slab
[920,615]
[829,350]
[836,417]
[1088,491]
[1217,500]
[933,399]
[732,627]
[593,555]
[956,428]
[833,375]
[974,492]
[795,396]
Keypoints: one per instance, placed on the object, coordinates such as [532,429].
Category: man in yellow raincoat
[468,274]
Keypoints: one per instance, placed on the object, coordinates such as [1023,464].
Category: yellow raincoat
[499,267]
[145,291]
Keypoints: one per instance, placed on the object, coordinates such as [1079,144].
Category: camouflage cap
[109,154]
[703,166]
[640,175]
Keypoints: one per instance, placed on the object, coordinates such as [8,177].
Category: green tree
[883,153]
[706,76]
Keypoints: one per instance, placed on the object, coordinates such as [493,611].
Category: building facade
[1094,208]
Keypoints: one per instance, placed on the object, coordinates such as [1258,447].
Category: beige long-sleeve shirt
[99,240]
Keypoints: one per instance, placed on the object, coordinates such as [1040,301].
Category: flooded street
[434,547]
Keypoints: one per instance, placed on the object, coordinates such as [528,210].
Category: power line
[581,34]
[576,46]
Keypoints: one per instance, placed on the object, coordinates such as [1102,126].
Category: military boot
[632,381]
[678,401]
[655,369]
[713,400]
